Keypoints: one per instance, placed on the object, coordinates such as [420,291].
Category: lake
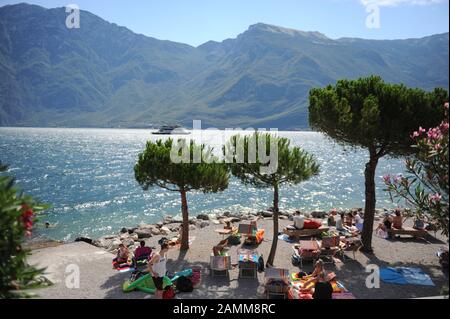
[87,176]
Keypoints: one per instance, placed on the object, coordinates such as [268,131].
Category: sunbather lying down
[300,222]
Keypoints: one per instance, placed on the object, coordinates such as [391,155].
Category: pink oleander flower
[446,106]
[27,219]
[434,198]
[398,178]
[444,126]
[387,179]
[418,133]
[434,134]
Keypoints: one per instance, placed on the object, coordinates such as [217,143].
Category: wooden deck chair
[220,265]
[305,255]
[248,231]
[330,246]
[352,246]
[416,233]
[276,282]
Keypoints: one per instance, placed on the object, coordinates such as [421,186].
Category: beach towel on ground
[286,238]
[405,276]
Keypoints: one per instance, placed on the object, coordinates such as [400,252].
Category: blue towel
[252,258]
[405,276]
[286,238]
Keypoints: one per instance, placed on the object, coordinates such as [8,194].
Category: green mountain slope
[104,75]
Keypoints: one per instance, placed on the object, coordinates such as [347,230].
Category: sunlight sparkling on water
[87,175]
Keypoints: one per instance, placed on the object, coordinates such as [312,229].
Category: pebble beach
[351,272]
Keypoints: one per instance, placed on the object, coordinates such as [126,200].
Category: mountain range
[104,75]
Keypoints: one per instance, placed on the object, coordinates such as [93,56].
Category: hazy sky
[197,21]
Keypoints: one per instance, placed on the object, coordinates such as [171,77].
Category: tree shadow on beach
[428,239]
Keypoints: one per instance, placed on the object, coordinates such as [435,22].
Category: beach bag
[419,224]
[169,293]
[196,277]
[295,259]
[184,284]
[261,264]
[234,240]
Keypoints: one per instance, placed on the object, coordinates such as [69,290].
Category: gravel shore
[397,252]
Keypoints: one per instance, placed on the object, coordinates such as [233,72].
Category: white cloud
[394,3]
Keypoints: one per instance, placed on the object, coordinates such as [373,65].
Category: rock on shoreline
[170,225]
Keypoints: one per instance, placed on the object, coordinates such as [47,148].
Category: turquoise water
[87,175]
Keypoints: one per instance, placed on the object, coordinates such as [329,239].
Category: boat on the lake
[171,129]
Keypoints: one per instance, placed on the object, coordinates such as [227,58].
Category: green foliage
[425,186]
[158,165]
[294,164]
[247,162]
[371,113]
[375,115]
[15,274]
[156,168]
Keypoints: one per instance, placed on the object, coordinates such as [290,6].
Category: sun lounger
[306,250]
[416,233]
[252,233]
[220,265]
[297,233]
[248,263]
[276,282]
[329,247]
[352,244]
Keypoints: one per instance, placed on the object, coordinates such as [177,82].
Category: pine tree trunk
[369,210]
[185,214]
[273,249]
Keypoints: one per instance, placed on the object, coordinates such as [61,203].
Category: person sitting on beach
[122,255]
[219,249]
[141,253]
[229,226]
[359,222]
[397,220]
[299,220]
[331,221]
[157,269]
[383,228]
[343,229]
[349,220]
[340,222]
[323,288]
[312,277]
[386,224]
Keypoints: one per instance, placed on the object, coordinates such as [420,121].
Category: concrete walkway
[97,278]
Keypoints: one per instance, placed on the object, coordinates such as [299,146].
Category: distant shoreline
[136,128]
